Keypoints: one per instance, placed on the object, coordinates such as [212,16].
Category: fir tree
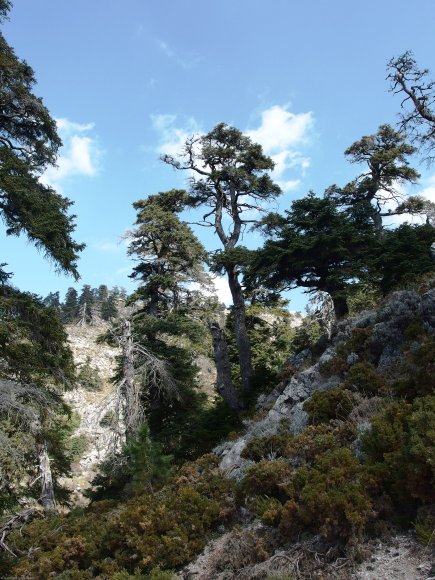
[229,177]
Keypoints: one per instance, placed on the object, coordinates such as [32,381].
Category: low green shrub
[270,447]
[334,403]
[364,378]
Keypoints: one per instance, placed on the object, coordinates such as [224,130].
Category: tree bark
[340,305]
[242,338]
[48,500]
[132,407]
[224,381]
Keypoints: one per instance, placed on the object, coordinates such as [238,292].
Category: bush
[271,447]
[267,478]
[88,377]
[400,451]
[163,529]
[364,378]
[334,403]
[332,496]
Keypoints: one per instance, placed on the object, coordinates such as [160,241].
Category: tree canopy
[385,155]
[29,144]
[417,118]
[316,245]
[230,177]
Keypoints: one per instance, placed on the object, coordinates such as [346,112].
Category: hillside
[324,474]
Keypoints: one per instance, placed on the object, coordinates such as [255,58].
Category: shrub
[334,403]
[267,478]
[332,496]
[364,378]
[271,447]
[166,529]
[89,377]
[400,450]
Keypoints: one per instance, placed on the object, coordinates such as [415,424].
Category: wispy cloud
[283,135]
[185,61]
[80,155]
[171,135]
[107,246]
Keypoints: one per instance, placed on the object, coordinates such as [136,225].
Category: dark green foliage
[109,310]
[326,492]
[315,246]
[163,529]
[385,154]
[334,403]
[29,144]
[88,376]
[70,305]
[141,466]
[332,495]
[270,333]
[404,254]
[272,447]
[170,255]
[36,366]
[400,451]
[364,378]
[268,477]
[32,340]
[85,306]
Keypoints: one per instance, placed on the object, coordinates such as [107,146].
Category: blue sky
[130,81]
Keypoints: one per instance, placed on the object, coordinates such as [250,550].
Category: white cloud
[282,134]
[80,154]
[220,289]
[281,129]
[171,137]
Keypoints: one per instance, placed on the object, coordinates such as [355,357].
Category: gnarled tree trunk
[242,338]
[224,382]
[48,499]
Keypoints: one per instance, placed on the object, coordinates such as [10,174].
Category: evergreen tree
[70,306]
[315,246]
[418,105]
[52,300]
[229,177]
[86,303]
[109,310]
[29,143]
[385,156]
[404,255]
[156,372]
[36,366]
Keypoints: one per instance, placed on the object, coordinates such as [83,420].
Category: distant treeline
[89,305]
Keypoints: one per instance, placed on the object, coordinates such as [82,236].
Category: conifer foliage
[29,144]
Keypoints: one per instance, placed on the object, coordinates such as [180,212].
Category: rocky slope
[91,405]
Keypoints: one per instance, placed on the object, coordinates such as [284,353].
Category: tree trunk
[47,490]
[242,339]
[377,222]
[132,405]
[224,382]
[340,305]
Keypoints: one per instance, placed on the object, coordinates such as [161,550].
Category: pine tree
[70,306]
[86,301]
[385,156]
[29,143]
[230,177]
[315,246]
